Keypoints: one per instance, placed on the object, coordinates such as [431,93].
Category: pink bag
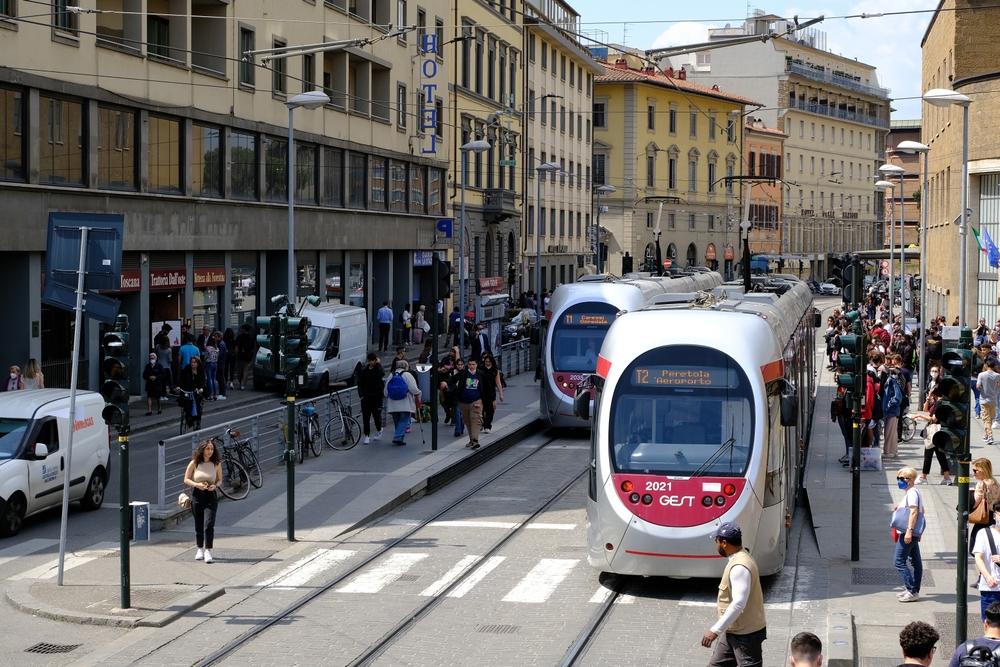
[417,335]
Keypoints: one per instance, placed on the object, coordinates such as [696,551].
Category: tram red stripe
[603,367]
[773,370]
[647,553]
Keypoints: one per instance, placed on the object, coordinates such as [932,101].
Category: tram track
[403,626]
[593,628]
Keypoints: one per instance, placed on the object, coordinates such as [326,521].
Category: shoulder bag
[901,518]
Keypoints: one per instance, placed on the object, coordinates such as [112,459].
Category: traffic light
[952,412]
[268,329]
[848,278]
[444,280]
[851,363]
[294,343]
[115,388]
[627,264]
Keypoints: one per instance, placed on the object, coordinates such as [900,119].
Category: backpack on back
[892,397]
[979,656]
[397,389]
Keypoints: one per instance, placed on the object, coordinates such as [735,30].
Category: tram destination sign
[683,376]
[587,319]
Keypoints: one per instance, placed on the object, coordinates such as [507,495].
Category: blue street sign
[445,226]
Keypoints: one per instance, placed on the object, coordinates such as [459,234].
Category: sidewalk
[866,589]
[334,493]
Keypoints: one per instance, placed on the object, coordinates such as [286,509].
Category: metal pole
[461,262]
[538,248]
[745,230]
[435,272]
[860,381]
[963,225]
[923,286]
[892,259]
[902,245]
[598,244]
[125,515]
[292,292]
[962,571]
[74,379]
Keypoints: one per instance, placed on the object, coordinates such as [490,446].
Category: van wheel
[12,515]
[93,498]
[324,384]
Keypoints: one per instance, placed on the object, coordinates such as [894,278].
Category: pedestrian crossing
[73,559]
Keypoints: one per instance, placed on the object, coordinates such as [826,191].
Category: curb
[19,596]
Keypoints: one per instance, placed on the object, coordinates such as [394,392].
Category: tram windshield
[577,335]
[683,411]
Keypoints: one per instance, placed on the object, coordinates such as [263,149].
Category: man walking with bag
[988,385]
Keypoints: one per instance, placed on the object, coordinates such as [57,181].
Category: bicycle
[349,433]
[186,401]
[909,428]
[309,432]
[235,478]
[244,453]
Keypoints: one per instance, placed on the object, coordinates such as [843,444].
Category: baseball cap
[726,531]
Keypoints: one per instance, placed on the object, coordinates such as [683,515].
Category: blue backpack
[892,398]
[397,389]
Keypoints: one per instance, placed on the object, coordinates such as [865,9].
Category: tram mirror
[817,318]
[581,404]
[789,410]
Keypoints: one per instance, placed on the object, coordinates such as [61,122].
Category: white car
[829,288]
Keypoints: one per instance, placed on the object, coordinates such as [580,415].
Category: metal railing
[263,429]
[841,81]
[515,357]
[834,112]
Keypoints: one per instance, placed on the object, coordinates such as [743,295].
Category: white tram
[700,416]
[577,319]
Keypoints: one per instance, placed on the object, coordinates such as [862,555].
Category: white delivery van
[338,341]
[34,435]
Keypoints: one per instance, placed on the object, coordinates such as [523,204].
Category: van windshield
[11,435]
[319,337]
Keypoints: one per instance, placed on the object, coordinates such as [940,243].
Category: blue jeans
[459,428]
[975,392]
[985,598]
[911,552]
[210,371]
[402,422]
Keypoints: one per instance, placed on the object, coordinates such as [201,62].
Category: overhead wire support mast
[735,41]
[283,52]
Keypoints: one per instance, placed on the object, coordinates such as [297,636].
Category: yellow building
[666,145]
[764,150]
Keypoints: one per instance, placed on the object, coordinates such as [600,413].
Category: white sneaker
[367,440]
[909,597]
[486,430]
[208,556]
[902,593]
[199,555]
[378,435]
[921,480]
[220,397]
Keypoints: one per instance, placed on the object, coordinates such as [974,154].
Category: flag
[991,250]
[978,239]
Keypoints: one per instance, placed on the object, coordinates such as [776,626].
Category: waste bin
[140,521]
[424,381]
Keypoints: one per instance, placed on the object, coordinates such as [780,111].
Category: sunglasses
[902,479]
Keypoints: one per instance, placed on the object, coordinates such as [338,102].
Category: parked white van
[34,434]
[338,342]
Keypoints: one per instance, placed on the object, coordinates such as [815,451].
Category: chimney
[621,63]
[649,69]
[715,87]
[682,74]
[669,72]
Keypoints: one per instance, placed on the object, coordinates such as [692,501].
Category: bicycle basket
[308,411]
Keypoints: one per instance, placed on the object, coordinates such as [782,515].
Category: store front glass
[243,284]
[335,276]
[357,293]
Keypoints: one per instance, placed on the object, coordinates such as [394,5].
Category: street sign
[508,163]
[667,263]
[445,226]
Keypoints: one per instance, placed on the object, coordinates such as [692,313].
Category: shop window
[275,169]
[11,130]
[164,156]
[356,295]
[61,148]
[243,286]
[206,165]
[356,181]
[416,189]
[378,184]
[243,165]
[398,178]
[116,149]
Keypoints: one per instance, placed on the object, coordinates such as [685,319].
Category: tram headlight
[634,498]
[627,486]
[720,500]
[729,489]
[647,499]
[707,501]
[559,378]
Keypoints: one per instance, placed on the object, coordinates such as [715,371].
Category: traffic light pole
[435,269]
[124,514]
[964,457]
[290,392]
[860,386]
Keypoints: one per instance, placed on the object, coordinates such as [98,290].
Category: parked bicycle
[342,430]
[235,477]
[243,452]
[188,404]
[309,432]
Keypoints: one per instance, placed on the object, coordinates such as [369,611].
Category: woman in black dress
[491,389]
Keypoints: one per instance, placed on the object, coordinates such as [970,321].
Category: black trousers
[203,505]
[739,650]
[488,412]
[942,460]
[371,409]
[383,335]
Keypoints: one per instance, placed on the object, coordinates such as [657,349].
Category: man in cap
[741,628]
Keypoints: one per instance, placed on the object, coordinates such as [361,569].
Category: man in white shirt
[742,627]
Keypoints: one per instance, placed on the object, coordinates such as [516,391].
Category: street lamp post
[889,170]
[604,189]
[886,185]
[311,100]
[916,147]
[475,147]
[542,170]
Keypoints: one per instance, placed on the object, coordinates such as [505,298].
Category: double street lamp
[472,147]
[890,170]
[542,169]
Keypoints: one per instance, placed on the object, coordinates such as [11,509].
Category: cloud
[682,33]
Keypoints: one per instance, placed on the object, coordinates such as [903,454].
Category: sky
[890,43]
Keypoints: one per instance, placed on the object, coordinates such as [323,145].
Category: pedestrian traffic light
[444,280]
[115,388]
[851,363]
[952,411]
[294,346]
[268,329]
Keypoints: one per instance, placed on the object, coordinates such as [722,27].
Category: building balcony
[839,79]
[834,112]
[499,204]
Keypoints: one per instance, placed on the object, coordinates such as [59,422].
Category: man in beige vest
[741,628]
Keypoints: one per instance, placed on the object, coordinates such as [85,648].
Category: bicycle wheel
[909,429]
[352,431]
[235,479]
[249,461]
[338,433]
[315,441]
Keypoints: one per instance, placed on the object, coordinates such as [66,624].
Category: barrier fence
[515,357]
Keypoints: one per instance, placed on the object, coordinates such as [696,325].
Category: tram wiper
[727,445]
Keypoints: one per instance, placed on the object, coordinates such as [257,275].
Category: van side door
[45,474]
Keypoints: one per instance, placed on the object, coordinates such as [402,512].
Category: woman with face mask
[934,376]
[13,381]
[906,522]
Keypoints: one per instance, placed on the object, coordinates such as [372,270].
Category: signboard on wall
[167,279]
[210,277]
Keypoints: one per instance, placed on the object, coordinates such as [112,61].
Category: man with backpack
[402,392]
[892,401]
[989,641]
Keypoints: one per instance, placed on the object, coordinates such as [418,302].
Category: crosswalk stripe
[477,576]
[550,526]
[543,579]
[73,559]
[274,511]
[24,549]
[506,525]
[450,576]
[600,595]
[304,569]
[383,574]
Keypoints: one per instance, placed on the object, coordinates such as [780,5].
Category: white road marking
[450,576]
[74,559]
[543,579]
[550,526]
[477,576]
[506,525]
[24,549]
[274,511]
[600,595]
[383,574]
[304,569]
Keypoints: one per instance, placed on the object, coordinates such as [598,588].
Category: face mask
[13,376]
[902,484]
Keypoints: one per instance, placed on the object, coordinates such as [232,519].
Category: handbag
[426,327]
[901,518]
[980,514]
[184,500]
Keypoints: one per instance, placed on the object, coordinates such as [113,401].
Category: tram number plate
[657,486]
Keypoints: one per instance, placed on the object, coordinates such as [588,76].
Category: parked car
[829,288]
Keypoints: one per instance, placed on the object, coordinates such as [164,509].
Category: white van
[338,342]
[34,433]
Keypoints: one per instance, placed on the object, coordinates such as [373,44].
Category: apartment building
[159,111]
[764,151]
[666,145]
[835,115]
[559,80]
[485,105]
